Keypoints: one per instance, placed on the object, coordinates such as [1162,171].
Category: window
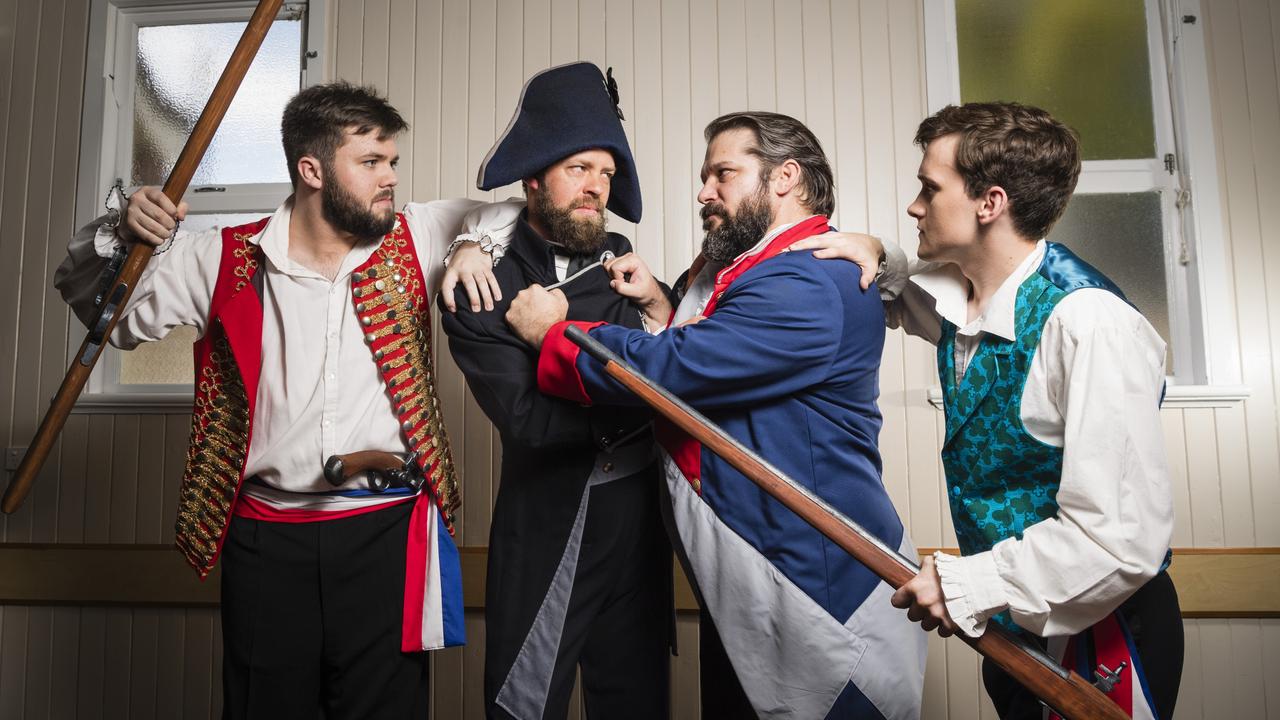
[1124,74]
[161,61]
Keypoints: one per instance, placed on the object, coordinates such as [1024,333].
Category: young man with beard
[314,331]
[579,567]
[786,360]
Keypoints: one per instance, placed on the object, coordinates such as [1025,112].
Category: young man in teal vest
[1052,382]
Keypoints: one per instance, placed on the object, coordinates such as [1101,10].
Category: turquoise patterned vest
[1001,479]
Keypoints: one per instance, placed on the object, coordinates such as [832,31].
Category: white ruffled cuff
[105,240]
[491,226]
[894,271]
[973,589]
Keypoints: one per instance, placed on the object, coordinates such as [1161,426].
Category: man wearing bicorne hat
[783,351]
[315,340]
[579,566]
[1052,382]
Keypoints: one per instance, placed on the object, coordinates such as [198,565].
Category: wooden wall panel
[65,645]
[850,69]
[1242,71]
[17,156]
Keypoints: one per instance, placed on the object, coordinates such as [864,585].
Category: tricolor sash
[391,302]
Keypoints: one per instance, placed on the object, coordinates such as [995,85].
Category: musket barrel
[139,255]
[1066,692]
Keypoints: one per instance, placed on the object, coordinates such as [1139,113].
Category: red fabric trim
[1110,649]
[683,449]
[255,509]
[415,574]
[233,304]
[558,364]
[815,225]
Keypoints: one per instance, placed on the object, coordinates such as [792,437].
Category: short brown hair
[1023,149]
[316,120]
[780,138]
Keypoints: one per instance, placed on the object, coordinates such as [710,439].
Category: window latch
[1169,163]
[209,188]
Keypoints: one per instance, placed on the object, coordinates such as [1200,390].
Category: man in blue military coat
[785,358]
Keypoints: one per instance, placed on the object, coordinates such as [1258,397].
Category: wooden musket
[1070,695]
[139,255]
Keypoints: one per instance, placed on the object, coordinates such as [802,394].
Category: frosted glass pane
[169,361]
[1085,61]
[1123,236]
[177,67]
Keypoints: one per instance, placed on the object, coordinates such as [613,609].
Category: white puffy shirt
[320,392]
[1093,389]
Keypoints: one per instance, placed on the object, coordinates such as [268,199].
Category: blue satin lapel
[1068,272]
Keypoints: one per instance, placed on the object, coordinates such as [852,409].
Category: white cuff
[496,221]
[973,589]
[105,240]
[893,275]
[490,226]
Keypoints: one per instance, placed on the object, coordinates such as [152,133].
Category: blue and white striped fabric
[787,364]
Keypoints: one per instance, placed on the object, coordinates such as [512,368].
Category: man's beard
[345,211]
[577,235]
[738,232]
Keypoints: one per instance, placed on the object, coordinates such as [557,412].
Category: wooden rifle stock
[1070,695]
[139,255]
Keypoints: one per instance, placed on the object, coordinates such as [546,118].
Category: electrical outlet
[13,458]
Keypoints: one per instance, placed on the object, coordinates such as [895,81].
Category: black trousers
[311,620]
[618,621]
[1155,620]
[722,695]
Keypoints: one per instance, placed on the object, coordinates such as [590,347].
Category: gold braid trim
[391,302]
[219,434]
[215,457]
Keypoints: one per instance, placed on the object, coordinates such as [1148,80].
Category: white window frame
[1204,339]
[106,144]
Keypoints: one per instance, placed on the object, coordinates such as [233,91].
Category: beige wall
[852,70]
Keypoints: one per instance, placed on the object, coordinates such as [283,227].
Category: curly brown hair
[1023,149]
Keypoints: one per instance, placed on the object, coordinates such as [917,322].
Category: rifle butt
[1065,691]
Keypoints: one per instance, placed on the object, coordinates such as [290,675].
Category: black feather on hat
[564,110]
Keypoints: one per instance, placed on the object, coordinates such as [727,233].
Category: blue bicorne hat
[564,110]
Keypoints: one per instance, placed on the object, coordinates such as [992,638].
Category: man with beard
[786,360]
[314,329]
[579,568]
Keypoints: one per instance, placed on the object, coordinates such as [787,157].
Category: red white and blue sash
[389,293]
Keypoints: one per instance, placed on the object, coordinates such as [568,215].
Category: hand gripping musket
[1062,690]
[118,296]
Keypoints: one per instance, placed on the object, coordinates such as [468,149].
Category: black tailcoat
[550,447]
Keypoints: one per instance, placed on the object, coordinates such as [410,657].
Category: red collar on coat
[808,227]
